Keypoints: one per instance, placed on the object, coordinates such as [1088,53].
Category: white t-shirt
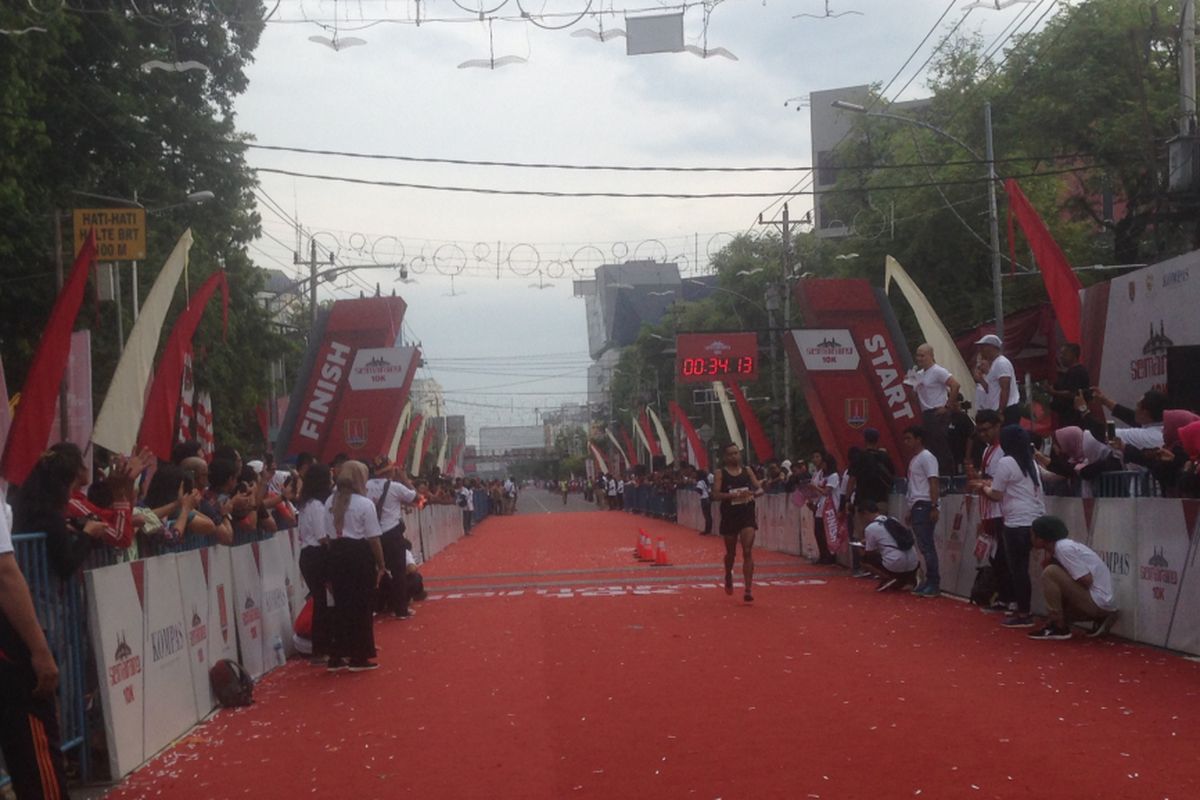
[931,387]
[392,510]
[611,487]
[990,399]
[702,488]
[6,544]
[314,524]
[467,497]
[361,521]
[1146,437]
[922,469]
[1022,502]
[1079,560]
[878,539]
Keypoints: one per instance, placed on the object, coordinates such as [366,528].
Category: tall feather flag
[124,403]
[426,445]
[419,445]
[664,440]
[35,413]
[695,445]
[158,424]
[643,421]
[630,451]
[454,468]
[934,332]
[406,441]
[187,396]
[441,456]
[617,445]
[600,463]
[763,451]
[1062,285]
[204,425]
[641,435]
[735,435]
[401,427]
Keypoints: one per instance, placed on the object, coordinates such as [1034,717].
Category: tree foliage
[78,114]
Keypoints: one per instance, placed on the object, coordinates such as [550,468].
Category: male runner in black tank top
[736,487]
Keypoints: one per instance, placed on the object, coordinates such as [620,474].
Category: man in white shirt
[464,497]
[1077,584]
[922,504]
[937,393]
[883,555]
[987,433]
[29,736]
[390,491]
[999,389]
[702,488]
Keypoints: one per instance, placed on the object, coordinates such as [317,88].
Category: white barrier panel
[687,510]
[222,625]
[168,675]
[296,590]
[964,579]
[954,519]
[1163,545]
[1114,538]
[808,534]
[247,604]
[273,556]
[193,589]
[117,624]
[1184,631]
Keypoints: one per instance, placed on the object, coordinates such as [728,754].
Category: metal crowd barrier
[63,615]
[650,501]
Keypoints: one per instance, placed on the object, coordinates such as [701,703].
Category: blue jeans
[922,528]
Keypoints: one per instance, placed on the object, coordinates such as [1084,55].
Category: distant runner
[736,487]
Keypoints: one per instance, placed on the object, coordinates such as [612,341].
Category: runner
[736,487]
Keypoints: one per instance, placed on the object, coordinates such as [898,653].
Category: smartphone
[1110,431]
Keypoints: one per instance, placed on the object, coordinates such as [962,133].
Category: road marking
[618,590]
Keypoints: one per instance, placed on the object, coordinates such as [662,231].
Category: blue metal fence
[650,501]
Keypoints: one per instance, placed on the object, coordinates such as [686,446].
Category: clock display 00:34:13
[718,366]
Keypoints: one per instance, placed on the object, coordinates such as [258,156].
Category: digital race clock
[707,357]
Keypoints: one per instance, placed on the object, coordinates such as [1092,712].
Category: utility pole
[312,282]
[772,303]
[58,281]
[994,223]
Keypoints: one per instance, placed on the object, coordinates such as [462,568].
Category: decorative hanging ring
[651,242]
[619,251]
[574,259]
[555,269]
[395,255]
[450,259]
[536,260]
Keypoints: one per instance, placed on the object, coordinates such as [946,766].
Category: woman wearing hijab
[315,529]
[1078,455]
[355,567]
[1016,484]
[1168,462]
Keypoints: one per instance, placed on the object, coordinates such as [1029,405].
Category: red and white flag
[187,396]
[204,425]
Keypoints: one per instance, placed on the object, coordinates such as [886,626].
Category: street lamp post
[990,158]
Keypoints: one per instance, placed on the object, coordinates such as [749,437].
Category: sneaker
[886,584]
[729,583]
[335,665]
[995,608]
[862,573]
[1050,632]
[403,615]
[826,560]
[929,590]
[747,598]
[1103,625]
[1018,621]
[363,666]
[919,588]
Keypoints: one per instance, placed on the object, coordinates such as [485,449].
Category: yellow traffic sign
[120,232]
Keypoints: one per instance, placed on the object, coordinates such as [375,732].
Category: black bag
[416,586]
[983,590]
[231,684]
[902,535]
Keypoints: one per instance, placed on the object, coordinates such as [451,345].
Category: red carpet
[822,690]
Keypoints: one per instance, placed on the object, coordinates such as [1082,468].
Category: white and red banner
[187,397]
[168,673]
[204,425]
[222,635]
[273,557]
[247,607]
[79,398]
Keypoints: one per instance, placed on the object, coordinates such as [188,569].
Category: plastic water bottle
[280,656]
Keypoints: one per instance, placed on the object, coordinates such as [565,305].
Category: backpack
[231,684]
[983,590]
[902,535]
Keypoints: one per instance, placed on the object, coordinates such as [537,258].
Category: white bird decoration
[995,5]
[829,13]
[21,32]
[709,52]
[176,66]
[662,294]
[846,256]
[601,35]
[491,62]
[338,44]
[754,271]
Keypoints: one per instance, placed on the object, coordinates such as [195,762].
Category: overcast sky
[575,101]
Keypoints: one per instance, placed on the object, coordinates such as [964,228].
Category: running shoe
[862,573]
[747,598]
[886,583]
[362,665]
[1104,625]
[335,665]
[920,587]
[1018,621]
[929,590]
[995,608]
[729,583]
[1050,632]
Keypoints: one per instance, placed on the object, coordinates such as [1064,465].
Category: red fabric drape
[693,438]
[426,445]
[158,424]
[644,421]
[31,426]
[1062,285]
[630,450]
[406,440]
[453,463]
[758,439]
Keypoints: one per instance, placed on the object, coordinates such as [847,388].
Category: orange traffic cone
[660,554]
[647,551]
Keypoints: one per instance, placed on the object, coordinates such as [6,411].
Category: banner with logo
[193,592]
[1130,321]
[222,619]
[117,625]
[296,590]
[247,607]
[273,556]
[353,385]
[1184,631]
[851,365]
[168,681]
[1113,522]
[1163,547]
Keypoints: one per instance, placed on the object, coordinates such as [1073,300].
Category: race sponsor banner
[1144,313]
[168,674]
[296,591]
[1184,631]
[808,533]
[851,364]
[247,607]
[1163,547]
[193,592]
[354,385]
[949,535]
[222,621]
[117,624]
[273,557]
[1116,528]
